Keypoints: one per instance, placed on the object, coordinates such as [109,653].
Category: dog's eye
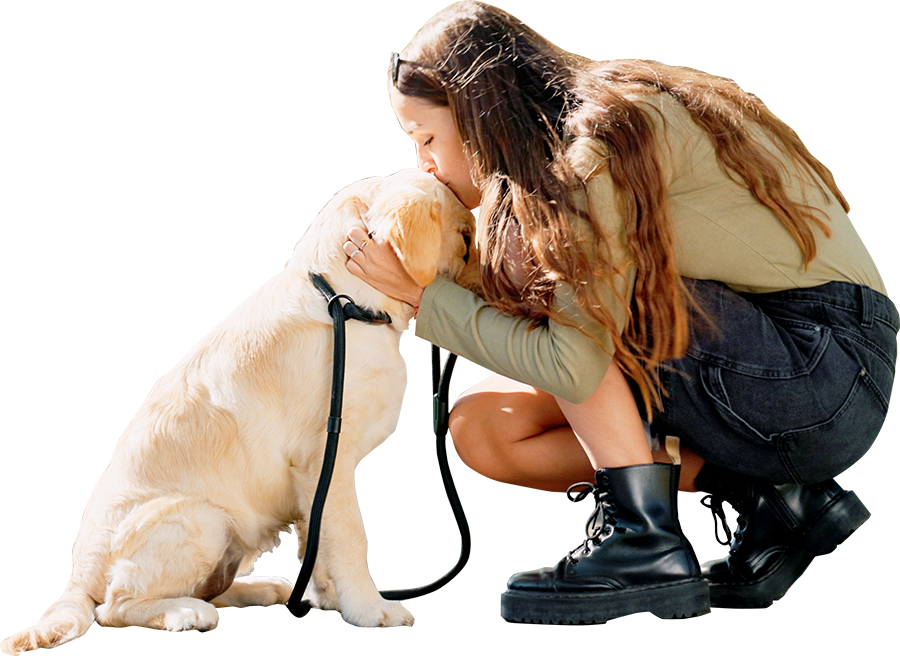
[468,241]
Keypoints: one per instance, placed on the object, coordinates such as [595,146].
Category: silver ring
[358,250]
[363,244]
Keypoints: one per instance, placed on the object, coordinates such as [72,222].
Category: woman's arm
[558,359]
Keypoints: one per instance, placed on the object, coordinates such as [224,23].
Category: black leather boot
[635,558]
[781,528]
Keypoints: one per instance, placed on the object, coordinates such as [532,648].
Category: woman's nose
[426,164]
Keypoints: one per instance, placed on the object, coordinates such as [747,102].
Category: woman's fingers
[359,237]
[373,261]
[377,264]
[357,241]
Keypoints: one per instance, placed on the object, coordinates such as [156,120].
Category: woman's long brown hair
[519,101]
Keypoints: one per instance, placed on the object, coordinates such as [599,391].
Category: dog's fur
[225,452]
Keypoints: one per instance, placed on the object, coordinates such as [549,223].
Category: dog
[225,452]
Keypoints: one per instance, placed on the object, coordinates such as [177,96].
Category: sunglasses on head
[395,66]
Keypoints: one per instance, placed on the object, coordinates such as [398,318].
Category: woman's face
[439,149]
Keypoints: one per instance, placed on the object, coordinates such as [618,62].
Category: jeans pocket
[764,387]
[759,408]
[823,451]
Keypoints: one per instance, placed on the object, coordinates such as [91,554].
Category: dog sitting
[225,452]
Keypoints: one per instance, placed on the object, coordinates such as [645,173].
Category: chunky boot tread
[673,601]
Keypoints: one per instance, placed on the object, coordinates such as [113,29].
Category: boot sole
[675,601]
[836,523]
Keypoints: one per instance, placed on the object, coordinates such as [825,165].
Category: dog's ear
[414,219]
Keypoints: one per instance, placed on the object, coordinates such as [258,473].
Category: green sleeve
[555,358]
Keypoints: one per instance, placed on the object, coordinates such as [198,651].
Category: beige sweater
[722,232]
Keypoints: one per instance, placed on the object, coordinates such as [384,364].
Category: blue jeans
[790,387]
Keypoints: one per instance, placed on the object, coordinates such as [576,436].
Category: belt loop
[867,316]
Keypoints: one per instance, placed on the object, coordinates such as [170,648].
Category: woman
[656,247]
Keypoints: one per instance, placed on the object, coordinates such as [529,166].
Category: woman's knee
[472,428]
[490,420]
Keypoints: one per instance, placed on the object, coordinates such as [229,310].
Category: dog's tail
[69,618]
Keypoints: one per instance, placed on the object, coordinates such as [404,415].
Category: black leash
[441,387]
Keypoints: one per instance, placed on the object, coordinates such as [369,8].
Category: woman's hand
[376,264]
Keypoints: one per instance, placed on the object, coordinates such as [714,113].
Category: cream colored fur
[225,452]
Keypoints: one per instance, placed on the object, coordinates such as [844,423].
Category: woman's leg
[514,433]
[608,425]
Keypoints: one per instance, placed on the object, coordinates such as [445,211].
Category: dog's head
[426,224]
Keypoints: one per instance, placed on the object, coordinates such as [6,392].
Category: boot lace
[740,492]
[714,503]
[743,504]
[599,526]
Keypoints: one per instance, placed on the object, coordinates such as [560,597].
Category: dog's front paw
[393,613]
[385,613]
[322,594]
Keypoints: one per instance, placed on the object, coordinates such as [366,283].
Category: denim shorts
[790,387]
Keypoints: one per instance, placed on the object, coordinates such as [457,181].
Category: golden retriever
[225,452]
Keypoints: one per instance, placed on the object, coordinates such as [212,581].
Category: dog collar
[351,309]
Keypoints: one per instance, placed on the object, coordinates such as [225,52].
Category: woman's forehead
[415,114]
